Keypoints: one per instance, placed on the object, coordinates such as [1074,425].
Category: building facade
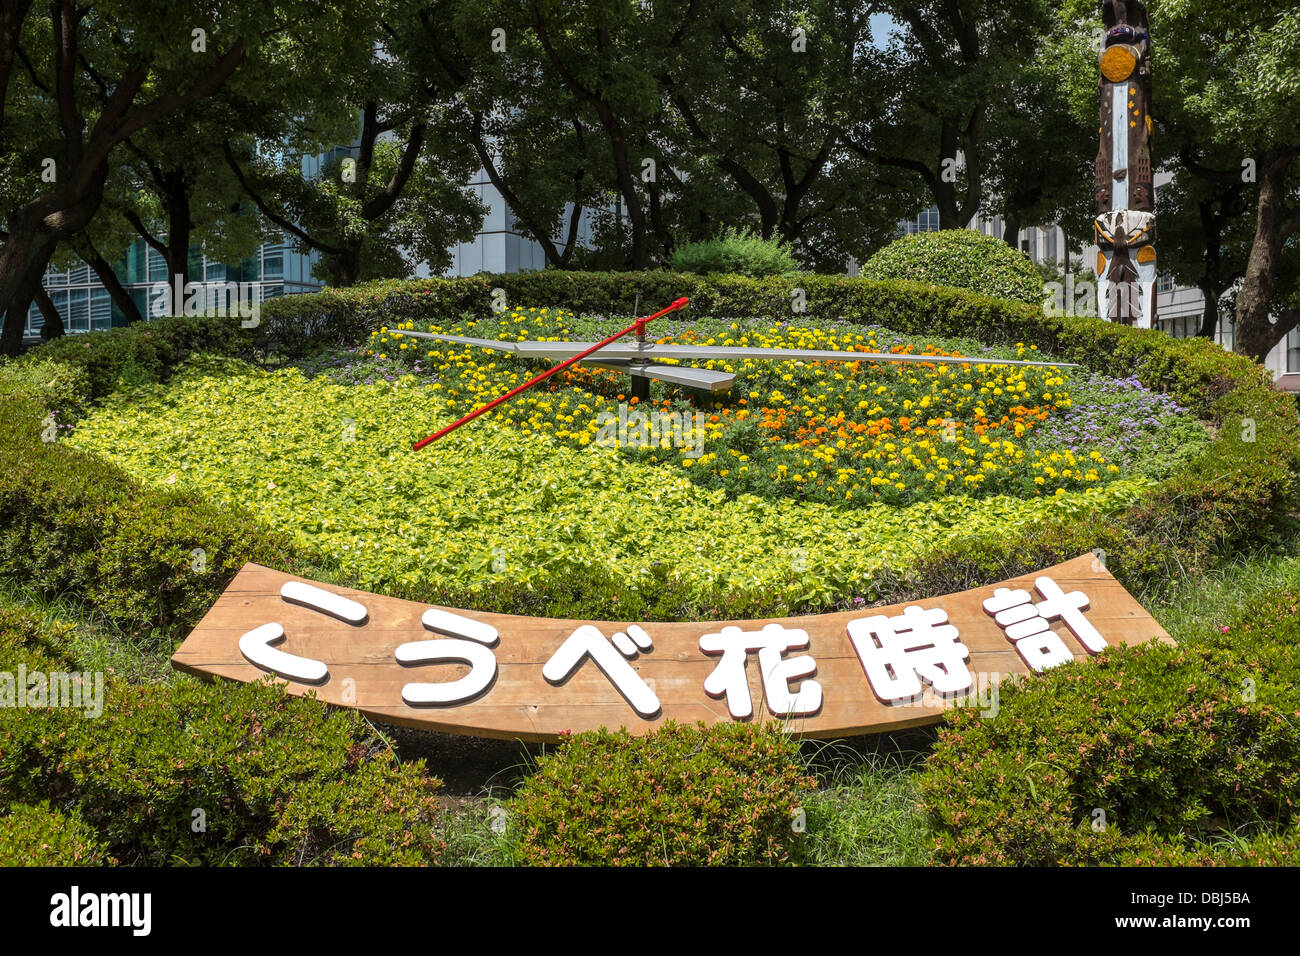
[275,269]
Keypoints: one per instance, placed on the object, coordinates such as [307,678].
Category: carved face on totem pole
[1124,229]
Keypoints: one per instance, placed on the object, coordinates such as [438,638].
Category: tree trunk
[52,327]
[1011,228]
[23,259]
[1255,334]
[1210,314]
[179,228]
[11,337]
[108,278]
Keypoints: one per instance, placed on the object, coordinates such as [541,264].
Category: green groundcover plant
[331,467]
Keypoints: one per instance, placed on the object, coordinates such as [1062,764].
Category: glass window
[101,309]
[273,261]
[1293,351]
[34,319]
[140,296]
[78,313]
[137,263]
[1164,283]
[157,267]
[1227,332]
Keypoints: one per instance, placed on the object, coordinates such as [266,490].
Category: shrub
[148,558]
[1191,753]
[735,252]
[41,836]
[60,388]
[145,352]
[963,259]
[278,779]
[679,796]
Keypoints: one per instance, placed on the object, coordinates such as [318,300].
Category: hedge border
[1236,496]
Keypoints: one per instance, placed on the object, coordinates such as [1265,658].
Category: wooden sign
[506,676]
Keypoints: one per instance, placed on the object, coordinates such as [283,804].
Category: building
[275,269]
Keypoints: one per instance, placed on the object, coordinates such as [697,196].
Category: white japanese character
[256,644]
[1026,623]
[1069,609]
[728,677]
[471,644]
[1039,646]
[588,641]
[897,652]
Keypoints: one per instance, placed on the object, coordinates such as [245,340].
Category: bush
[145,352]
[679,796]
[735,252]
[278,779]
[962,259]
[40,836]
[60,388]
[1191,753]
[147,558]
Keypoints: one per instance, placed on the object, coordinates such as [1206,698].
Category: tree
[768,98]
[1236,88]
[950,67]
[397,197]
[1041,138]
[1205,217]
[91,79]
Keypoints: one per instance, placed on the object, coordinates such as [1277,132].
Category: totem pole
[1125,227]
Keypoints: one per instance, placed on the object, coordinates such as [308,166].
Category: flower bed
[489,507]
[821,431]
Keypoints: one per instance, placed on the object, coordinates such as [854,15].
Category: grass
[1193,609]
[865,811]
[87,638]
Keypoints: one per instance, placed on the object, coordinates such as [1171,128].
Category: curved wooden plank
[519,702]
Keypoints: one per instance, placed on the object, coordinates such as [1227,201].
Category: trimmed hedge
[1236,496]
[213,774]
[147,558]
[145,352]
[681,796]
[1178,756]
[963,259]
